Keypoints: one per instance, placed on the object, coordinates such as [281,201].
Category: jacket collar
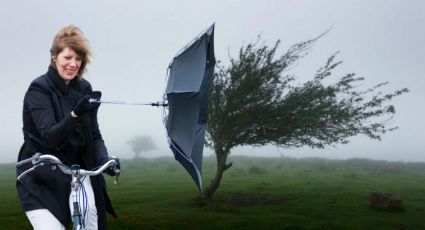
[59,83]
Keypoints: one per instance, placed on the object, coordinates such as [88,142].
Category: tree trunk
[221,167]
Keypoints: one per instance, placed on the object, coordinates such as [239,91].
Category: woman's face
[67,63]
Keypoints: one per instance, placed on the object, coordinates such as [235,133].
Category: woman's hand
[84,105]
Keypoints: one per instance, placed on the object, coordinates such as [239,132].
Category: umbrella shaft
[128,103]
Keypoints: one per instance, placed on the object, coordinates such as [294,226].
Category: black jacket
[49,128]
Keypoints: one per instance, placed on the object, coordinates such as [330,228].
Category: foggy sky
[134,41]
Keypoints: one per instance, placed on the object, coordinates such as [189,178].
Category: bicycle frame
[77,174]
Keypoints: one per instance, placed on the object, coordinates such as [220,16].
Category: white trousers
[43,219]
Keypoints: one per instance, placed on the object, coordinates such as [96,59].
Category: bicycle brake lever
[117,176]
[116,181]
[28,171]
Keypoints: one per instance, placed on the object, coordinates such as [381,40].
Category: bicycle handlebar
[27,161]
[39,160]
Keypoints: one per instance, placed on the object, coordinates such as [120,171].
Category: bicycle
[38,160]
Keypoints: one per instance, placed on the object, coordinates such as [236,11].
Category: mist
[134,41]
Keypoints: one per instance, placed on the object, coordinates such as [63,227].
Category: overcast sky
[134,41]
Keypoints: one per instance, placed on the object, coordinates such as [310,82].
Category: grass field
[256,193]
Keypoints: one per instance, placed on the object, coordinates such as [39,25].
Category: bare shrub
[256,170]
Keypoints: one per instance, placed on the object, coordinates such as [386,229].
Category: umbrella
[190,77]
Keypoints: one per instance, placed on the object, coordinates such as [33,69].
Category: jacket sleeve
[54,133]
[100,151]
[99,148]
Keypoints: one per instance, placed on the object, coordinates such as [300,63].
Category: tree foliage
[253,102]
[141,144]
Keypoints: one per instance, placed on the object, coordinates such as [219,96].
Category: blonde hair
[71,37]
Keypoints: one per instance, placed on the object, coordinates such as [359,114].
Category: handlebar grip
[27,161]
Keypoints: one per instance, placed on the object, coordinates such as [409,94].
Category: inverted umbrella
[190,77]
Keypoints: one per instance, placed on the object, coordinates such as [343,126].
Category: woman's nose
[73,63]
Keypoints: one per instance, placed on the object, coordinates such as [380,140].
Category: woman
[58,119]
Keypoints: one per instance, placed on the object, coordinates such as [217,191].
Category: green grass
[256,193]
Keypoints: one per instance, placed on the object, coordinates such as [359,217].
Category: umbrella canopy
[190,77]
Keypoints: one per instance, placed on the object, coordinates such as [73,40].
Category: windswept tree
[254,101]
[141,144]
